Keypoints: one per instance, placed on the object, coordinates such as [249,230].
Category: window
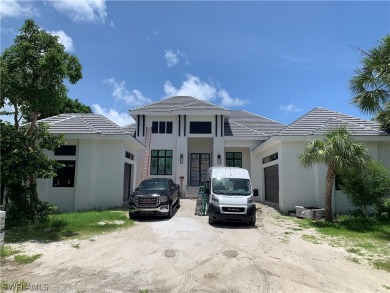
[200,127]
[65,150]
[270,158]
[234,159]
[65,175]
[161,162]
[161,127]
[129,156]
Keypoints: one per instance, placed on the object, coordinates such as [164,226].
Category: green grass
[311,238]
[365,237]
[382,265]
[69,226]
[26,259]
[8,251]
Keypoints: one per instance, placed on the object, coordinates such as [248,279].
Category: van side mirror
[255,192]
[137,189]
[207,190]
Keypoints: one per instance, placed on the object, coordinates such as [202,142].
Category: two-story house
[180,138]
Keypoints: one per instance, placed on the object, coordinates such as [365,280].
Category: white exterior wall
[306,186]
[99,176]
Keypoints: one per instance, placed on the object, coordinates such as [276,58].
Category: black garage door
[271,179]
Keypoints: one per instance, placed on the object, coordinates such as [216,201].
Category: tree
[69,106]
[33,71]
[371,84]
[366,187]
[338,151]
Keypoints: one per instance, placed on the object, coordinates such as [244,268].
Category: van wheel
[211,220]
[253,222]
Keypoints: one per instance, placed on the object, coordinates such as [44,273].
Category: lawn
[365,238]
[70,225]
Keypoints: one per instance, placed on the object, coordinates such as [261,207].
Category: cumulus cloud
[63,39]
[290,108]
[93,11]
[13,8]
[121,119]
[228,101]
[172,58]
[194,87]
[120,93]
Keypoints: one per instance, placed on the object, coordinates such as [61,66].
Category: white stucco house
[180,138]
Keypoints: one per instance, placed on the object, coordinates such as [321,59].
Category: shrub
[367,186]
[382,209]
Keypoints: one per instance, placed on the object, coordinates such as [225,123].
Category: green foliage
[371,84]
[18,162]
[26,259]
[366,186]
[69,225]
[338,151]
[32,71]
[382,208]
[383,117]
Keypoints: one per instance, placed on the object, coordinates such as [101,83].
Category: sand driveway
[186,254]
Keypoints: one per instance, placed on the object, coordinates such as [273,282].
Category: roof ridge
[296,120]
[255,130]
[254,114]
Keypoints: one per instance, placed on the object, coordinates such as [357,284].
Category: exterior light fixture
[181,158]
[219,159]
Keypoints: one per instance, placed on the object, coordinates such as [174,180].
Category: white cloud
[121,119]
[172,58]
[13,8]
[82,10]
[63,39]
[194,87]
[228,101]
[290,108]
[134,98]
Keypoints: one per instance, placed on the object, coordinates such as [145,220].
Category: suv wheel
[170,212]
[178,202]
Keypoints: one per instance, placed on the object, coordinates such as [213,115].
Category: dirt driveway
[186,254]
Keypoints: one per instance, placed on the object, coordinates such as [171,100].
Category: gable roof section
[131,129]
[242,123]
[178,103]
[83,124]
[320,120]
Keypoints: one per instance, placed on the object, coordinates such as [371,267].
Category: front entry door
[199,164]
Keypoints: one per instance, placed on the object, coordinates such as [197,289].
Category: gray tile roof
[320,120]
[131,128]
[83,124]
[179,103]
[243,123]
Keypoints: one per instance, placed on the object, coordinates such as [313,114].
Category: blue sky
[275,59]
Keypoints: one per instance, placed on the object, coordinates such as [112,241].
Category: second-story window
[162,127]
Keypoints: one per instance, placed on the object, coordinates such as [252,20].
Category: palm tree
[338,151]
[371,84]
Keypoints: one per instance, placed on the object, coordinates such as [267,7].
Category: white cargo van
[230,195]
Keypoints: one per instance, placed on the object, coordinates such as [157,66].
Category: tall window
[234,159]
[65,175]
[161,162]
[162,127]
[65,150]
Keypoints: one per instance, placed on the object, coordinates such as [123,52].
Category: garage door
[271,180]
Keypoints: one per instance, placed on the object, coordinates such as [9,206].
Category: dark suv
[155,197]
